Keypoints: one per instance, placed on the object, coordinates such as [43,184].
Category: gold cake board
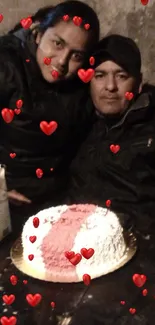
[16,255]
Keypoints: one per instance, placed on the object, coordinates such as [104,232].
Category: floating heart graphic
[75,259]
[8,299]
[36,222]
[13,280]
[69,255]
[19,103]
[26,22]
[128,95]
[65,17]
[122,302]
[86,279]
[12,155]
[27,60]
[31,257]
[32,239]
[86,26]
[77,20]
[47,61]
[144,2]
[7,114]
[17,111]
[8,320]
[145,292]
[114,148]
[33,300]
[85,75]
[139,279]
[92,60]
[55,74]
[48,128]
[108,203]
[87,253]
[39,173]
[132,311]
[1,17]
[25,281]
[52,304]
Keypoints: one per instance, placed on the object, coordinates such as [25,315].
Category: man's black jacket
[127,177]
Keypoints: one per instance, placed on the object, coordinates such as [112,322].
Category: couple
[106,140]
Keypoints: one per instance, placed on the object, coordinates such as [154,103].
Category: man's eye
[99,76]
[77,57]
[123,76]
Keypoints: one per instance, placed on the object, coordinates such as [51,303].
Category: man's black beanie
[120,49]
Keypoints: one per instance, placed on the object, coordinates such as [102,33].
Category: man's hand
[17,198]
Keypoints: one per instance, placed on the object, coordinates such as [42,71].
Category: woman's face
[65,44]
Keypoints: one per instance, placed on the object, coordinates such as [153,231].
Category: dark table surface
[77,304]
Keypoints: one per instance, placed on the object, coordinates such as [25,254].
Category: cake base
[16,255]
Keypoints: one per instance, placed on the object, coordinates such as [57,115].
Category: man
[116,164]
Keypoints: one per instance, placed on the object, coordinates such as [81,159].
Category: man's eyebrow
[74,50]
[104,71]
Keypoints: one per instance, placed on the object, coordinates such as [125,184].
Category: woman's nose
[63,58]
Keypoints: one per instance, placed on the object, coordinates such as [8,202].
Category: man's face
[65,44]
[108,88]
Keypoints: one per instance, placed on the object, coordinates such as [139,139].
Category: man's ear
[140,83]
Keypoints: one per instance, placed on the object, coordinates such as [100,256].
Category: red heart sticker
[12,155]
[139,279]
[7,114]
[26,22]
[65,17]
[76,259]
[86,26]
[77,20]
[92,60]
[55,74]
[145,292]
[132,311]
[87,253]
[13,280]
[32,239]
[144,2]
[86,279]
[128,95]
[108,203]
[39,173]
[69,255]
[48,128]
[115,148]
[85,75]
[25,281]
[27,60]
[31,257]
[47,61]
[17,111]
[52,304]
[1,17]
[8,320]
[8,299]
[33,300]
[122,302]
[36,222]
[19,103]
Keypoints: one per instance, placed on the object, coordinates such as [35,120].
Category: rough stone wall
[127,17]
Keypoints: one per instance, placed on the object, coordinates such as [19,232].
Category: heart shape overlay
[48,128]
[87,253]
[115,148]
[86,75]
[7,114]
[8,299]
[139,279]
[8,320]
[33,300]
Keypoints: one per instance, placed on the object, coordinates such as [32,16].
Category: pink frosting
[61,238]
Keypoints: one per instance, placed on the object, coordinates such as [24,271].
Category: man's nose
[63,58]
[110,83]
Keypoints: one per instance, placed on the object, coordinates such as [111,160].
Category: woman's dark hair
[72,8]
[38,16]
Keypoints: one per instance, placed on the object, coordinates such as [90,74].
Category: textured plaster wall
[127,17]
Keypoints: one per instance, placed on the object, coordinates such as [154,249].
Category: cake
[71,241]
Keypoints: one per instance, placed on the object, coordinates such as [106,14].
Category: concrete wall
[127,17]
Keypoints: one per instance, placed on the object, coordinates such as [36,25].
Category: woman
[40,74]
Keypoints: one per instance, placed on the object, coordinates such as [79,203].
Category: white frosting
[101,231]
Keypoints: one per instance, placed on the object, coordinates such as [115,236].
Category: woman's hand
[17,198]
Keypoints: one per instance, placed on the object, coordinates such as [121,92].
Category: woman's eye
[57,44]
